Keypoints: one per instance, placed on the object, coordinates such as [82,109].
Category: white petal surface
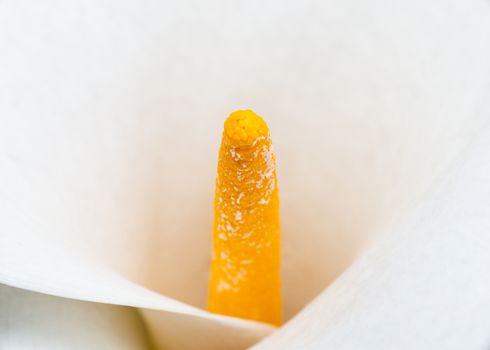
[31,321]
[110,120]
[423,286]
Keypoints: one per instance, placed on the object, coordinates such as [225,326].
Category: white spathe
[423,285]
[111,114]
[36,321]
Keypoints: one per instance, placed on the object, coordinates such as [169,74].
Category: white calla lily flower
[111,114]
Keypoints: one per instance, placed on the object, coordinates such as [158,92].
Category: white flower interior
[110,123]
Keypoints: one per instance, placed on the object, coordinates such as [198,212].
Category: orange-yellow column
[245,269]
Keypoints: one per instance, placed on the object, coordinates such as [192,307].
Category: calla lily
[111,114]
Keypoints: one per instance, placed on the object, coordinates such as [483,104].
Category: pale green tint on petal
[111,114]
[31,321]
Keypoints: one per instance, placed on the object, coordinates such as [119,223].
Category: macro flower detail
[110,121]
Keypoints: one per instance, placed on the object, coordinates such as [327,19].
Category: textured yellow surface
[245,270]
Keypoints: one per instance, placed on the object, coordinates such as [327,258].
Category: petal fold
[422,285]
[31,321]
